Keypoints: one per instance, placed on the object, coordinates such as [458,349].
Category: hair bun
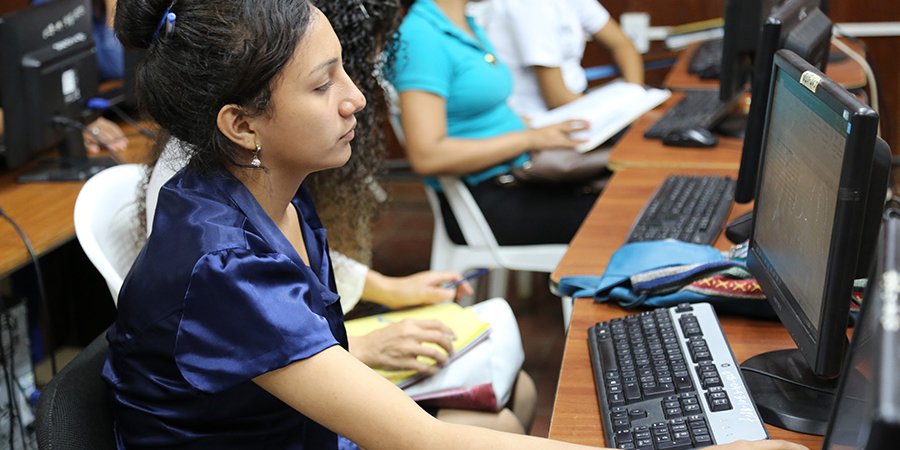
[136,21]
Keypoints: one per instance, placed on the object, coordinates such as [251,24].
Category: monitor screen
[743,22]
[867,411]
[48,71]
[815,208]
[797,25]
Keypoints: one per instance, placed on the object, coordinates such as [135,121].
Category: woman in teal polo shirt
[453,94]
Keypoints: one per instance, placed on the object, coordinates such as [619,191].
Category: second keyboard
[688,208]
[700,108]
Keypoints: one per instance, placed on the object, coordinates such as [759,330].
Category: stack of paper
[468,327]
[609,109]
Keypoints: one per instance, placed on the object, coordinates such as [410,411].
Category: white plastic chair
[481,245]
[106,222]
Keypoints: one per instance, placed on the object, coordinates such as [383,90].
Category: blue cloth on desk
[662,273]
[638,257]
[217,297]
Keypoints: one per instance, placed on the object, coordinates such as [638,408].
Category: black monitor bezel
[823,347]
[776,33]
[21,43]
[877,331]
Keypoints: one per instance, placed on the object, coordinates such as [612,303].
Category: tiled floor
[402,245]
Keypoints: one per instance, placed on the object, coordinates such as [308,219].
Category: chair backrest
[106,222]
[74,411]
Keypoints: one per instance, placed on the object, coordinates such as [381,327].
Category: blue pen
[472,274]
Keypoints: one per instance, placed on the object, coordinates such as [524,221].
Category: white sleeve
[592,14]
[170,161]
[350,277]
[533,27]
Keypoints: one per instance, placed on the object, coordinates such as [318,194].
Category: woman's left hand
[417,289]
[105,131]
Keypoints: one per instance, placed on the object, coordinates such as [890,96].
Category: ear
[237,126]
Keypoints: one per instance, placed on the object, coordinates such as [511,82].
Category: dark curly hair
[344,197]
[367,30]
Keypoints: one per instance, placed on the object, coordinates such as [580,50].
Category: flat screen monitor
[743,22]
[867,412]
[797,25]
[48,71]
[815,207]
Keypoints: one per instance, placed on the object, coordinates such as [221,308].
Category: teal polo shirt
[436,56]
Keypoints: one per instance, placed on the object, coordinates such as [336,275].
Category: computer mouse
[690,137]
[739,229]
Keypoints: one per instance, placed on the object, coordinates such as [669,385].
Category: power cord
[786,380]
[9,376]
[870,75]
[42,293]
[11,403]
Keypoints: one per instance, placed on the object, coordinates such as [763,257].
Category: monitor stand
[732,125]
[72,165]
[738,230]
[788,405]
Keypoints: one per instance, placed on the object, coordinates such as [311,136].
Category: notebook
[609,109]
[468,327]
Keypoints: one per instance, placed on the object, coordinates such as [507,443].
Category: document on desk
[609,109]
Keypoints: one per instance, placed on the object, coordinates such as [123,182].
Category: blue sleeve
[422,62]
[246,315]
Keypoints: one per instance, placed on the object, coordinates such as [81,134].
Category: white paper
[608,108]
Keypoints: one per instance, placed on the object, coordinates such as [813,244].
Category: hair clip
[363,9]
[167,20]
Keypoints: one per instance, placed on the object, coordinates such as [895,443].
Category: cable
[870,76]
[130,121]
[99,103]
[15,378]
[9,391]
[787,380]
[42,293]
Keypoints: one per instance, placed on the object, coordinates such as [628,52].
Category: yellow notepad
[467,326]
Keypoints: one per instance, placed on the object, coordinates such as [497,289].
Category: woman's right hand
[766,444]
[398,346]
[558,135]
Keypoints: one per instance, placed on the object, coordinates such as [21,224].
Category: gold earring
[255,162]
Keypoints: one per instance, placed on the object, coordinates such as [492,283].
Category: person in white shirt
[543,41]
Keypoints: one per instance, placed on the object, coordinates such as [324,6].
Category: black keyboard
[687,208]
[700,108]
[667,379]
[706,62]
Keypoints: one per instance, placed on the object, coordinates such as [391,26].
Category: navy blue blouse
[217,297]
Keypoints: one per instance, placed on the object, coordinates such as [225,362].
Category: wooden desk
[44,211]
[633,151]
[576,414]
[846,72]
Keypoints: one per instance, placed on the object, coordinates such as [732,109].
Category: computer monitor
[816,207]
[867,412]
[743,20]
[797,25]
[48,71]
